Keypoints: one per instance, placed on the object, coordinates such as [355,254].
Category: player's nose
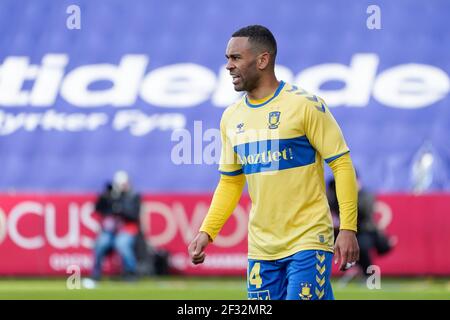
[230,66]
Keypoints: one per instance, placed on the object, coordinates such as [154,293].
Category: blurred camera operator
[119,208]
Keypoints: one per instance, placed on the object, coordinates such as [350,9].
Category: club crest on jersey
[274,119]
[240,127]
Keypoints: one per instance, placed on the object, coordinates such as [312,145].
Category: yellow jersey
[280,144]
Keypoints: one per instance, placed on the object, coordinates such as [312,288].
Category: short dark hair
[259,36]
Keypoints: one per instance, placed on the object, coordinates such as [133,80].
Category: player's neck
[264,89]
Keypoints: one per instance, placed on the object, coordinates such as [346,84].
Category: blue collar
[277,92]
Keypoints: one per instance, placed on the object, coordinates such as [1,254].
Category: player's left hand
[346,249]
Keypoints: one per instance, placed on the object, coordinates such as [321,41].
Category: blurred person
[290,239]
[369,236]
[119,207]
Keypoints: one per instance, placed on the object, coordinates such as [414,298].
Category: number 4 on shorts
[254,277]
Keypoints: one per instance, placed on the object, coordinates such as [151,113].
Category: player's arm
[346,191]
[326,137]
[346,246]
[225,200]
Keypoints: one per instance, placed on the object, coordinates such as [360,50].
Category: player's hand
[197,247]
[346,249]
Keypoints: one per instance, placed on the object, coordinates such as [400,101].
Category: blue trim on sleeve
[335,157]
[280,87]
[233,173]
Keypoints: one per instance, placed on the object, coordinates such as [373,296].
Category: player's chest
[267,123]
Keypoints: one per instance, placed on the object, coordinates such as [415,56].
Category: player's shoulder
[232,108]
[301,97]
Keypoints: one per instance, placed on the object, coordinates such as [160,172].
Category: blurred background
[88,88]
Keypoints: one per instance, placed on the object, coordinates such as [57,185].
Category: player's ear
[263,60]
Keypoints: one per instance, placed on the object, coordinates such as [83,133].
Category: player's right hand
[197,247]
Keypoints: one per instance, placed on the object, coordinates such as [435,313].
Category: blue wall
[63,131]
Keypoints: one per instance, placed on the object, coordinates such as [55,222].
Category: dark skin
[251,68]
[253,71]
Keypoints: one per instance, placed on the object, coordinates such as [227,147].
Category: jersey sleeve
[229,164]
[225,200]
[322,130]
[346,191]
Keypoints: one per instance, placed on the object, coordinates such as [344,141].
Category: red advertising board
[421,225]
[45,234]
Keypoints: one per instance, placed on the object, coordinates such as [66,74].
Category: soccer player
[276,137]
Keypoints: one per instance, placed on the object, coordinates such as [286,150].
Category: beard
[246,84]
[249,81]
